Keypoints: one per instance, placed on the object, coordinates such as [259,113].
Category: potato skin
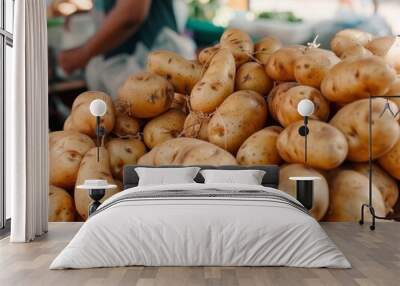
[239,116]
[260,148]
[187,151]
[348,38]
[348,191]
[81,118]
[329,146]
[206,55]
[276,96]
[252,76]
[355,79]
[387,47]
[352,121]
[320,198]
[196,125]
[61,205]
[239,43]
[180,72]
[145,95]
[66,150]
[163,127]
[126,126]
[124,152]
[216,84]
[391,161]
[356,52]
[265,47]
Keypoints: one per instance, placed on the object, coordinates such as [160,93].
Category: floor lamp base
[374,216]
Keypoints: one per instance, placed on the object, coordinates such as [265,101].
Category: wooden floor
[375,257]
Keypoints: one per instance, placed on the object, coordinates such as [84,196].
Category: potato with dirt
[265,48]
[239,44]
[126,126]
[260,148]
[196,125]
[276,96]
[240,115]
[352,120]
[187,151]
[348,38]
[356,52]
[145,95]
[207,54]
[61,205]
[216,84]
[252,76]
[164,127]
[180,72]
[327,146]
[388,48]
[391,160]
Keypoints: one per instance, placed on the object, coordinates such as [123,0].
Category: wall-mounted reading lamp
[98,108]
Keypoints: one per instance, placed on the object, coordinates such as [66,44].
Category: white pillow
[248,177]
[164,176]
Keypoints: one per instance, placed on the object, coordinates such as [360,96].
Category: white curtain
[27,124]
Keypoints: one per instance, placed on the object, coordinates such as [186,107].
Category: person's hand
[73,59]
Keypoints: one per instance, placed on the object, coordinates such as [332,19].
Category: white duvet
[200,231]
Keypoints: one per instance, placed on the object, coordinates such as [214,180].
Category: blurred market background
[197,23]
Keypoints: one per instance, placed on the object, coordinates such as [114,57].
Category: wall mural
[237,104]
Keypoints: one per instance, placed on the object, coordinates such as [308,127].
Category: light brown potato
[265,47]
[180,72]
[66,150]
[145,95]
[90,169]
[311,68]
[164,127]
[239,43]
[124,152]
[348,38]
[180,102]
[352,121]
[281,64]
[126,126]
[68,125]
[327,146]
[206,55]
[348,191]
[252,76]
[61,205]
[356,52]
[355,79]
[321,190]
[384,183]
[387,47]
[187,151]
[260,148]
[391,161]
[81,118]
[196,125]
[286,108]
[276,96]
[216,84]
[394,90]
[239,116]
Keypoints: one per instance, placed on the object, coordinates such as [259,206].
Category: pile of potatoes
[237,104]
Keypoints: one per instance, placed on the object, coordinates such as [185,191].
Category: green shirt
[161,14]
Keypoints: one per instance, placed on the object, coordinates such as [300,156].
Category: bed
[198,224]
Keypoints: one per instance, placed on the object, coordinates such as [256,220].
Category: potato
[207,54]
[239,43]
[145,95]
[286,108]
[276,96]
[164,127]
[61,205]
[180,102]
[348,38]
[327,146]
[90,169]
[352,120]
[252,76]
[187,151]
[216,84]
[387,47]
[68,125]
[81,118]
[348,191]
[321,190]
[66,150]
[311,68]
[355,79]
[126,126]
[239,116]
[124,152]
[384,183]
[196,125]
[265,47]
[356,52]
[260,148]
[180,72]
[281,64]
[391,161]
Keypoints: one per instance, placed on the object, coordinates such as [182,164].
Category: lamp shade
[98,107]
[305,107]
